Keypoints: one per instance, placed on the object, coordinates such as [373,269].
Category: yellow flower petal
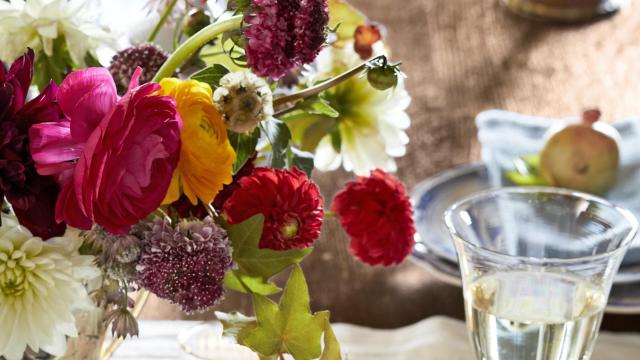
[206,156]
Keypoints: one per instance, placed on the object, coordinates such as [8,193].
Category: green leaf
[252,260]
[219,53]
[239,281]
[91,60]
[346,18]
[234,322]
[279,137]
[244,146]
[211,75]
[303,160]
[286,328]
[318,106]
[331,349]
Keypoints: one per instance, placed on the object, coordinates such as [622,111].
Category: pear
[582,156]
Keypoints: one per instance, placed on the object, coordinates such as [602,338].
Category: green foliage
[318,105]
[279,137]
[223,52]
[303,160]
[289,327]
[52,67]
[244,145]
[256,266]
[312,120]
[211,75]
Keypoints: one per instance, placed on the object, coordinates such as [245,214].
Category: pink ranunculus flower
[113,157]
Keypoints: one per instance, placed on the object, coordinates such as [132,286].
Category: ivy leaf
[303,160]
[211,75]
[253,261]
[244,146]
[346,18]
[289,327]
[331,349]
[279,137]
[239,281]
[234,322]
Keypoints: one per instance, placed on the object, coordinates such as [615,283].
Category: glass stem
[192,44]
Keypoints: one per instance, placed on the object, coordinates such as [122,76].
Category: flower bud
[244,100]
[383,78]
[195,22]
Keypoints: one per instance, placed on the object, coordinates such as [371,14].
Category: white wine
[522,315]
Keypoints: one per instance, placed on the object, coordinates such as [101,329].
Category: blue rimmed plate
[433,196]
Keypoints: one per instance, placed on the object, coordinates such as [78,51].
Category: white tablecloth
[436,338]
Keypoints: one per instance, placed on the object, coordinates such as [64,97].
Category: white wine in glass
[537,266]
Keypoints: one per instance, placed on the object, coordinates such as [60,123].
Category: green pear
[583,156]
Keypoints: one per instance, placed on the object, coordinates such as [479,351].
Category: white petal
[326,158]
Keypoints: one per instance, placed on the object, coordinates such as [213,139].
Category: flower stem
[162,20]
[192,44]
[315,90]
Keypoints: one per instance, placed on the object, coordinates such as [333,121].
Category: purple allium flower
[284,34]
[185,264]
[149,57]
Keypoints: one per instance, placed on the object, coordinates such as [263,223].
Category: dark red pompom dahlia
[376,213]
[31,195]
[290,202]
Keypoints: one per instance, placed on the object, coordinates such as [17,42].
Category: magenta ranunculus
[113,157]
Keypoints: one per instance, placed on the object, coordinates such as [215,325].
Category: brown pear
[583,156]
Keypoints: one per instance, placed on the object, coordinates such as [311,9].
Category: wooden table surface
[462,57]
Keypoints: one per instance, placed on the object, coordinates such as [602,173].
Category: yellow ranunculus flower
[206,157]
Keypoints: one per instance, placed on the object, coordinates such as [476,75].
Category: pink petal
[85,97]
[135,79]
[67,208]
[52,147]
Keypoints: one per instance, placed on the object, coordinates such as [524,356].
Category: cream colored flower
[40,288]
[244,100]
[37,23]
[371,125]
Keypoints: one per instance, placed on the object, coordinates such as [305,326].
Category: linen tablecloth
[435,338]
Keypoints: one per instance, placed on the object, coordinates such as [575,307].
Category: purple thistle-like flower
[185,264]
[149,57]
[284,34]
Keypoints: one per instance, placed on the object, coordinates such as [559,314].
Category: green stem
[315,90]
[162,20]
[192,44]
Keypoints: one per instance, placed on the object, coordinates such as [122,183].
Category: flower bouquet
[187,174]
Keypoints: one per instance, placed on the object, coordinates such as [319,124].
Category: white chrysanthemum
[40,288]
[244,100]
[371,123]
[37,23]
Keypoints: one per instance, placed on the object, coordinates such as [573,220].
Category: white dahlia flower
[37,23]
[41,285]
[371,124]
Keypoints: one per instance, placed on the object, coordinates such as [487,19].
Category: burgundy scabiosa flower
[31,195]
[376,213]
[185,264]
[290,202]
[283,34]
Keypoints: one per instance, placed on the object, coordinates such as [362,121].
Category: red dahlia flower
[376,213]
[284,34]
[113,157]
[31,195]
[290,202]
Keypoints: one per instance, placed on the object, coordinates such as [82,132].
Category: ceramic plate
[433,196]
[623,299]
